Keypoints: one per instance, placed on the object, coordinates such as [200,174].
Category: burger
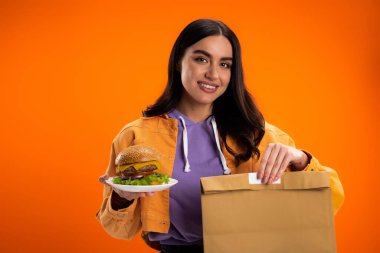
[138,165]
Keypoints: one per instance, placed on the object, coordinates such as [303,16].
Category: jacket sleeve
[123,223]
[335,184]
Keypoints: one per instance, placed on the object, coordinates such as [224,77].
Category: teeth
[207,86]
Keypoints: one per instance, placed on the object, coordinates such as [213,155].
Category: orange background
[72,74]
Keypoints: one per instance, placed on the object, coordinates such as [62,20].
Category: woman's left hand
[277,157]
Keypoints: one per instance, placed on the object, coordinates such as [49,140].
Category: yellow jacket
[152,213]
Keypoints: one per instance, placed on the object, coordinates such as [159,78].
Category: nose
[212,72]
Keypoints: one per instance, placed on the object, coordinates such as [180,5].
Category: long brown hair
[235,112]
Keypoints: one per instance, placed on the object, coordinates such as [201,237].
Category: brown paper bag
[293,216]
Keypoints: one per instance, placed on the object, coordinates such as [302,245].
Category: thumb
[102,179]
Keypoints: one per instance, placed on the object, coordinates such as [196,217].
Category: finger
[264,160]
[283,166]
[132,195]
[147,194]
[150,194]
[141,194]
[102,179]
[127,195]
[277,165]
[272,161]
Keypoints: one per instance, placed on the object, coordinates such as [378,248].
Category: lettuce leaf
[153,179]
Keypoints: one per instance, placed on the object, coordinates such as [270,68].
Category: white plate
[142,188]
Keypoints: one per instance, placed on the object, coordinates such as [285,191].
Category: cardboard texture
[294,216]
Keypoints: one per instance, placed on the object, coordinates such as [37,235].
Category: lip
[207,90]
[209,83]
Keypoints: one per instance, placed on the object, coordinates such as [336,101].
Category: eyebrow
[199,51]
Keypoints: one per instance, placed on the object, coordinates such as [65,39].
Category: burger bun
[137,154]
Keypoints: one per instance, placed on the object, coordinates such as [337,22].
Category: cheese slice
[137,166]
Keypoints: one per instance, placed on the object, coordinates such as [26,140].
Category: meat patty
[131,172]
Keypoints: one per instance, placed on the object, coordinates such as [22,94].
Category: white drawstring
[226,170]
[185,145]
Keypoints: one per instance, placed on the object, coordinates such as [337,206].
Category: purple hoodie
[185,197]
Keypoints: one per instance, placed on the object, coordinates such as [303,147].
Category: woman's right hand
[125,194]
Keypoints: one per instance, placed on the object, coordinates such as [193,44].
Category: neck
[196,113]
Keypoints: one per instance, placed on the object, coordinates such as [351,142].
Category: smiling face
[205,71]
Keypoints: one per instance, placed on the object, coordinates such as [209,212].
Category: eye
[200,59]
[225,65]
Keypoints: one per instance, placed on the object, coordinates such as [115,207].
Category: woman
[205,124]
